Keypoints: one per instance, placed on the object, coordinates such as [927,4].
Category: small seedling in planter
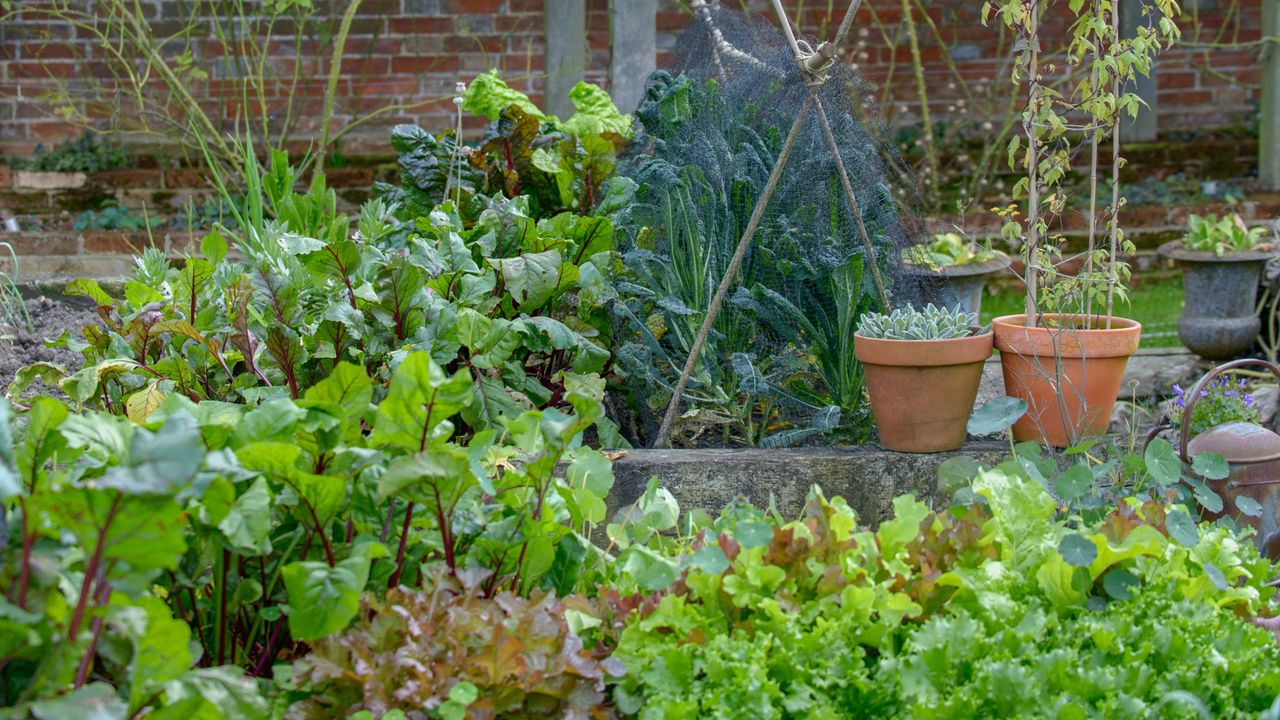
[948,250]
[922,368]
[1222,235]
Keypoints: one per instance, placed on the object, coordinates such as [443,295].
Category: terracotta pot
[922,391]
[1091,368]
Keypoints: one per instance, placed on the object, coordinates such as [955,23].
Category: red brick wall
[414,51]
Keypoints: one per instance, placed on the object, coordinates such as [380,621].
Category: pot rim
[989,267]
[1013,336]
[1175,250]
[923,353]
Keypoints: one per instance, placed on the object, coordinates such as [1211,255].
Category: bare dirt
[50,316]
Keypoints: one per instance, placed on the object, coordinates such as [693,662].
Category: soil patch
[50,316]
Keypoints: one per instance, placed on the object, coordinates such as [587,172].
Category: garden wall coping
[867,477]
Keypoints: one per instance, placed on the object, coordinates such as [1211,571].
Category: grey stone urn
[952,285]
[1219,295]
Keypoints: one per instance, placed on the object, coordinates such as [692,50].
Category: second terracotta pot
[1068,371]
[922,391]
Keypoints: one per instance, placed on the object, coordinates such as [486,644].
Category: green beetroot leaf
[419,403]
[324,599]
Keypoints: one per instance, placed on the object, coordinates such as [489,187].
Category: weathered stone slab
[867,477]
[35,180]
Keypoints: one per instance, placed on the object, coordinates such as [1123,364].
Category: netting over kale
[778,367]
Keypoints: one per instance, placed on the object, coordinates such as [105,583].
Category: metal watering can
[1253,453]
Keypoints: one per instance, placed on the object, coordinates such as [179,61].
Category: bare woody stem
[1115,180]
[1033,163]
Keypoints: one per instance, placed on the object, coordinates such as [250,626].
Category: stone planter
[1219,295]
[953,285]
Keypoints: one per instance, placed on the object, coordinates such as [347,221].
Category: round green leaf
[996,416]
[710,559]
[1163,462]
[1078,550]
[1211,466]
[956,473]
[753,534]
[1248,506]
[1074,483]
[1182,528]
[1119,583]
[1208,499]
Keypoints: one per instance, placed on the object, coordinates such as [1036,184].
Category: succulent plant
[908,323]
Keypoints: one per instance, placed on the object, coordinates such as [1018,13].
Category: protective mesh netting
[779,366]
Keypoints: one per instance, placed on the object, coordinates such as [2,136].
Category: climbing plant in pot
[953,270]
[1066,354]
[1221,260]
[922,370]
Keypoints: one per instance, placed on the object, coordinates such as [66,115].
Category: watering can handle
[1185,436]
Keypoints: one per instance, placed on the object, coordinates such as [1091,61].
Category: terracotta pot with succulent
[1066,355]
[953,270]
[1221,260]
[922,370]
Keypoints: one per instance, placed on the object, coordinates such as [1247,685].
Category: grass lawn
[1156,305]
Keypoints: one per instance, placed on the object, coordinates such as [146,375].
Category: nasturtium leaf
[753,534]
[957,472]
[1182,528]
[1248,506]
[1120,583]
[1163,462]
[1211,466]
[996,416]
[1077,550]
[1074,483]
[1208,499]
[709,559]
[647,568]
